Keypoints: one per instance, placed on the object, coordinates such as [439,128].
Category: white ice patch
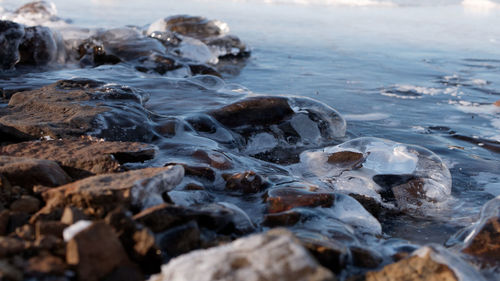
[194,49]
[348,210]
[72,230]
[148,192]
[261,142]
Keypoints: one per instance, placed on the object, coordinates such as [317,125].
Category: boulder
[83,157]
[78,107]
[26,203]
[27,172]
[267,256]
[95,252]
[100,194]
[38,47]
[11,35]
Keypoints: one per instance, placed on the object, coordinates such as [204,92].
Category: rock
[38,47]
[10,246]
[83,157]
[45,228]
[95,252]
[180,239]
[46,265]
[11,35]
[364,257]
[100,194]
[497,103]
[254,111]
[125,273]
[200,172]
[17,220]
[92,52]
[246,182]
[203,69]
[228,47]
[26,203]
[27,172]
[370,204]
[78,107]
[196,27]
[248,259]
[283,199]
[71,215]
[214,158]
[287,218]
[347,159]
[4,222]
[9,272]
[428,263]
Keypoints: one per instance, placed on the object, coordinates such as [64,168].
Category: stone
[349,160]
[192,26]
[95,252]
[4,222]
[78,107]
[27,172]
[38,47]
[254,111]
[9,272]
[180,239]
[228,47]
[26,203]
[45,228]
[213,158]
[83,157]
[283,199]
[100,194]
[287,218]
[11,35]
[364,257]
[246,182]
[258,257]
[10,246]
[125,273]
[46,265]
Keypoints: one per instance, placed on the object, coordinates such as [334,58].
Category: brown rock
[10,246]
[497,103]
[161,217]
[254,111]
[44,265]
[26,232]
[180,239]
[370,204]
[287,218]
[26,203]
[284,199]
[201,172]
[100,194]
[414,268]
[485,244]
[347,159]
[83,157]
[45,228]
[215,159]
[27,172]
[193,26]
[364,257]
[77,107]
[95,252]
[246,182]
[71,215]
[410,193]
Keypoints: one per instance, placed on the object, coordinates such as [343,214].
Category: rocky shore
[84,195]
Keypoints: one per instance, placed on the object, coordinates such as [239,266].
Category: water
[415,72]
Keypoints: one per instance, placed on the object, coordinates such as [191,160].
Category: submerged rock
[268,256]
[83,157]
[77,107]
[409,176]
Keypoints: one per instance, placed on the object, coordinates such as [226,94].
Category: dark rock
[46,265]
[9,272]
[26,203]
[157,63]
[347,159]
[284,199]
[192,26]
[162,217]
[228,46]
[26,232]
[11,35]
[125,273]
[100,194]
[369,203]
[102,112]
[287,218]
[17,220]
[83,157]
[254,111]
[387,182]
[92,52]
[27,172]
[202,69]
[364,257]
[200,172]
[180,239]
[246,182]
[45,228]
[38,47]
[411,193]
[10,246]
[94,262]
[4,222]
[215,159]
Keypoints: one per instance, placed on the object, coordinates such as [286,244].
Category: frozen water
[194,49]
[384,166]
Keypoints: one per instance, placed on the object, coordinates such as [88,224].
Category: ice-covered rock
[269,256]
[192,26]
[11,35]
[409,175]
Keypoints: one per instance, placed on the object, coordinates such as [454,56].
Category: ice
[367,117]
[412,174]
[262,142]
[72,230]
[147,193]
[194,49]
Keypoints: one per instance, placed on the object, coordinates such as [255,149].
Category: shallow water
[425,74]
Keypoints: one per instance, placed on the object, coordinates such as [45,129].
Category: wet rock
[284,199]
[100,194]
[248,259]
[11,35]
[38,47]
[46,228]
[91,52]
[192,26]
[347,159]
[91,262]
[111,112]
[180,239]
[215,159]
[427,263]
[364,257]
[227,47]
[125,273]
[27,172]
[203,69]
[10,246]
[287,218]
[83,157]
[246,182]
[17,220]
[371,205]
[199,172]
[9,272]
[160,64]
[255,111]
[26,203]
[46,265]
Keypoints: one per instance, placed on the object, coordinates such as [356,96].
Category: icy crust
[388,171]
[463,271]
